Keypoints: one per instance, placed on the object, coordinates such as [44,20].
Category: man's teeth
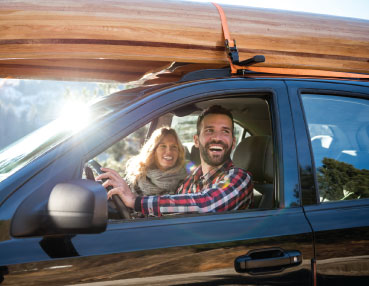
[216,148]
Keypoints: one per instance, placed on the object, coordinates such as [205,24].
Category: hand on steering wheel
[111,181]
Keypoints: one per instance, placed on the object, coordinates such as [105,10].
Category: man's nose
[216,135]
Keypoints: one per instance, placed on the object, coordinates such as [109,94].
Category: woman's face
[166,154]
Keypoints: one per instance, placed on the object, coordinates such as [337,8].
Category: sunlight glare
[74,116]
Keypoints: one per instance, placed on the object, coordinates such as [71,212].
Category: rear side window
[339,134]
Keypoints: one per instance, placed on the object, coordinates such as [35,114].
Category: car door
[335,116]
[243,247]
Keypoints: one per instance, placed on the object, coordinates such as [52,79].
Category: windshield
[33,145]
[37,115]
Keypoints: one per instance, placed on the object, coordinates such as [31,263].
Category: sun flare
[74,116]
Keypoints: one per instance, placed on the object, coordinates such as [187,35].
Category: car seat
[359,156]
[255,154]
[195,155]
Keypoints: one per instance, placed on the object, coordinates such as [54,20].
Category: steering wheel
[122,209]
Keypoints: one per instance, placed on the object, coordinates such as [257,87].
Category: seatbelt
[239,68]
[230,45]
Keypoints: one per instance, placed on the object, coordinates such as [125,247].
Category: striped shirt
[222,189]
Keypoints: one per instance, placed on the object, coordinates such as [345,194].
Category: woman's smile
[166,153]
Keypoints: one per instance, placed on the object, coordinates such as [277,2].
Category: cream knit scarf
[159,182]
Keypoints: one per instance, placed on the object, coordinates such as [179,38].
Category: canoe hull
[85,39]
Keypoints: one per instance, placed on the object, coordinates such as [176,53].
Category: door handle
[269,260]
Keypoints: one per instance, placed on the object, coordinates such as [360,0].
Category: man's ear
[196,140]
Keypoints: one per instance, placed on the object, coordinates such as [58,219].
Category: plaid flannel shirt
[222,189]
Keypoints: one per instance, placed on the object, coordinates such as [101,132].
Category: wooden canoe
[122,40]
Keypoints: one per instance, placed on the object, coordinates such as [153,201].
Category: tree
[117,155]
[338,180]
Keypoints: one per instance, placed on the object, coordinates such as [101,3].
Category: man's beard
[217,160]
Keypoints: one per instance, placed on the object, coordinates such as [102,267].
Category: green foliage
[341,181]
[359,185]
[116,156]
[185,127]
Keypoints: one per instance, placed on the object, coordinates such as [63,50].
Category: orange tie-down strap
[283,71]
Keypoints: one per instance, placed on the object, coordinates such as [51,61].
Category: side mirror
[74,207]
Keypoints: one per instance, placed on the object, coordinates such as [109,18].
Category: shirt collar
[198,175]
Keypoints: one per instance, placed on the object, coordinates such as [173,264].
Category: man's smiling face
[215,140]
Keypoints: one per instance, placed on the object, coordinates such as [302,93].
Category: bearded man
[214,186]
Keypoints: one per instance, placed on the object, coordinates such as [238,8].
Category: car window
[116,156]
[339,134]
[249,113]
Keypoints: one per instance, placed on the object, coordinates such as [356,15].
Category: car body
[305,234]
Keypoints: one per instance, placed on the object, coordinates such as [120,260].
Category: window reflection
[341,181]
[339,132]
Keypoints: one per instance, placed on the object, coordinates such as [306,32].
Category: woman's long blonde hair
[138,165]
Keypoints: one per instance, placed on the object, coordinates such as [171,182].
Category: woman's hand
[119,186]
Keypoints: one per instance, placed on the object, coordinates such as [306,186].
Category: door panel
[341,239]
[336,118]
[191,247]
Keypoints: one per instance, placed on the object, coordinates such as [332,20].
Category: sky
[344,8]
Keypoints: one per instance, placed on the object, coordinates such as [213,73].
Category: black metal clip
[233,55]
[232,52]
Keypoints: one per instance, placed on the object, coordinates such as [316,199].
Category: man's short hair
[214,109]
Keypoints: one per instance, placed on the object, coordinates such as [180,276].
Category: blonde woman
[159,168]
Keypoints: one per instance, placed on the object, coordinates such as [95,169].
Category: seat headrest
[255,154]
[362,138]
[195,155]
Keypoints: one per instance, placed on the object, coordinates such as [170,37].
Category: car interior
[254,149]
[254,141]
